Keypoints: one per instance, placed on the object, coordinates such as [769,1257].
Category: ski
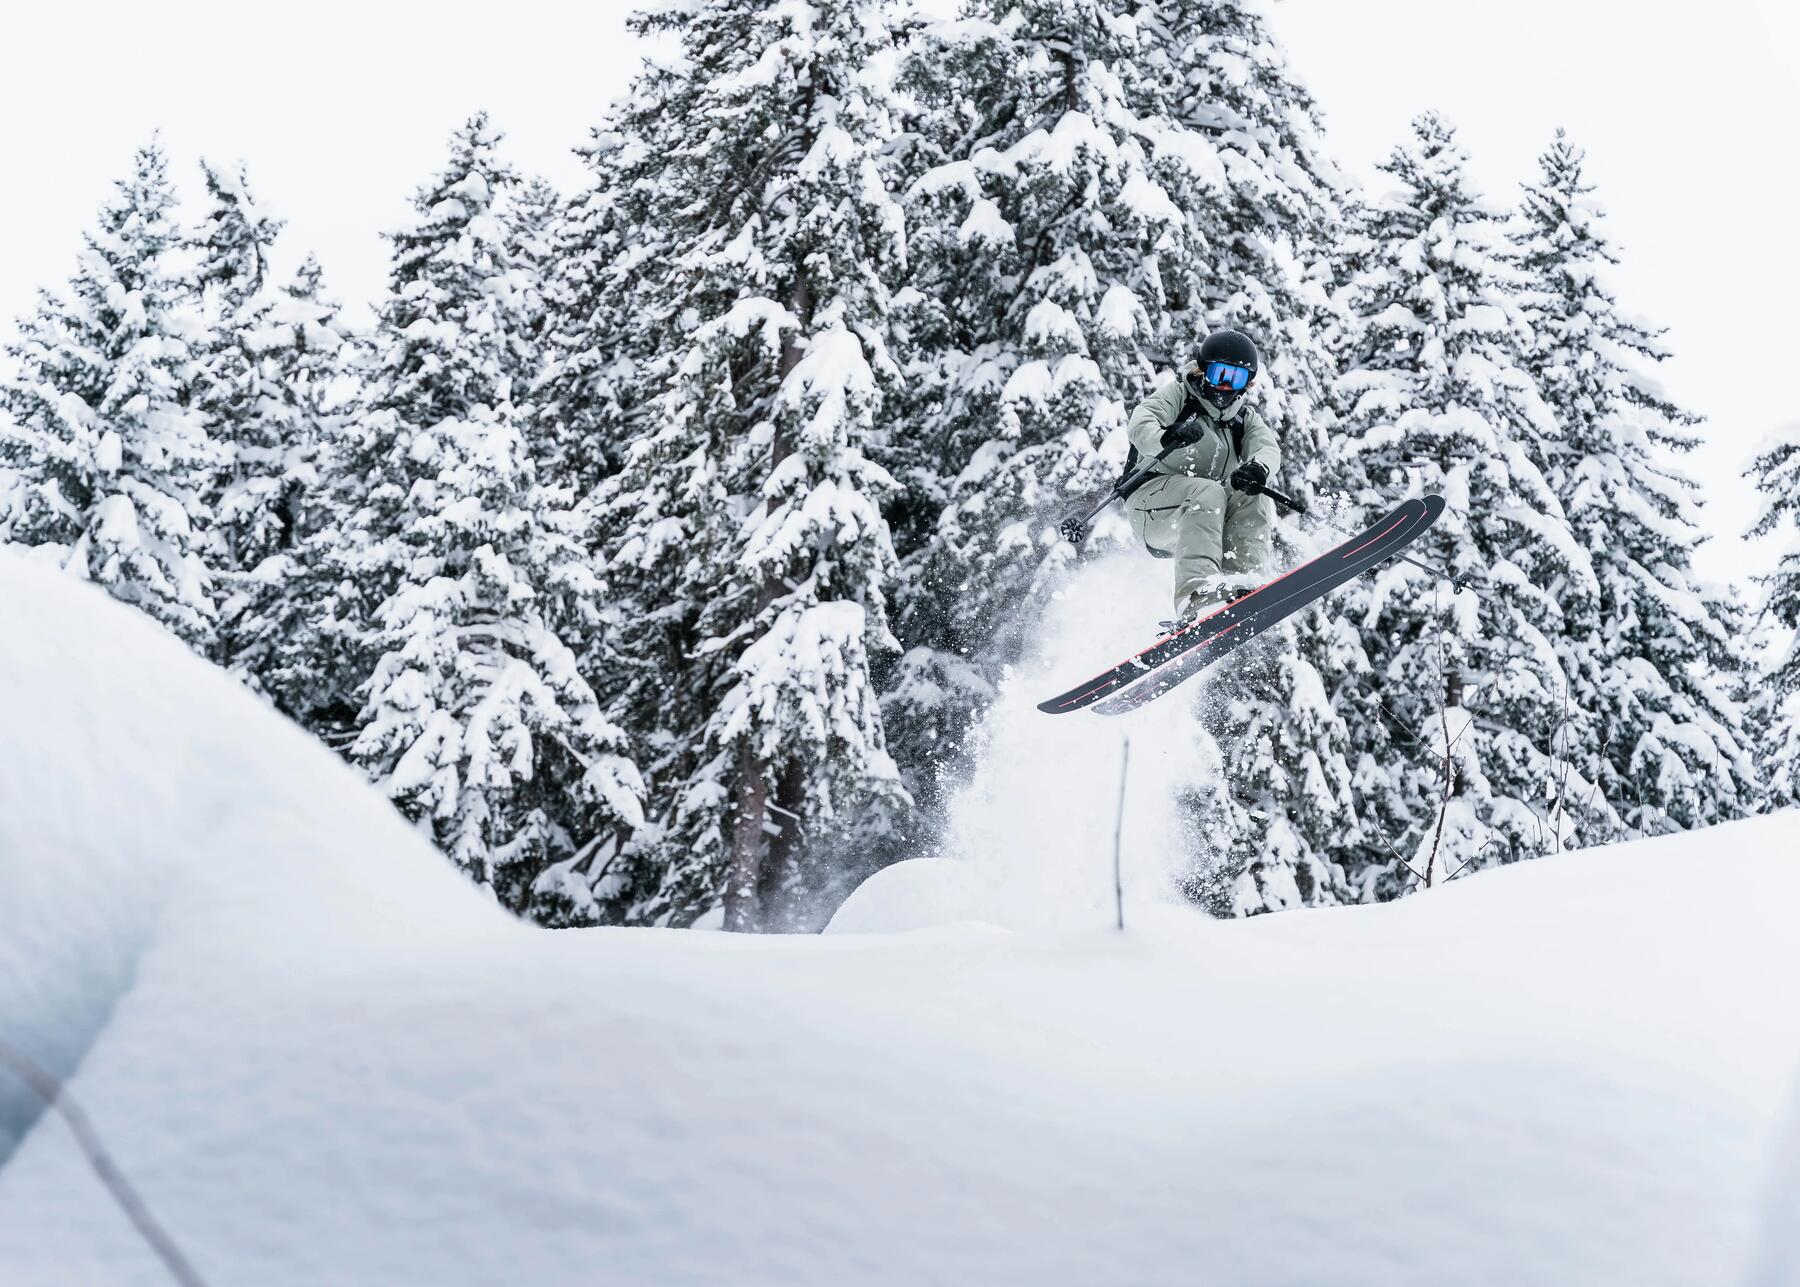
[1193,647]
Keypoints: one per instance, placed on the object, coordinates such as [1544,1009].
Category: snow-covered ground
[324,1059]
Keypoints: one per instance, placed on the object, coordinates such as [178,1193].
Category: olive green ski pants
[1208,527]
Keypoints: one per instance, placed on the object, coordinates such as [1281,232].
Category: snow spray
[1036,823]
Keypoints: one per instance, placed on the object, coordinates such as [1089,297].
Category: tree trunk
[756,883]
[748,843]
[794,345]
[779,894]
[1453,695]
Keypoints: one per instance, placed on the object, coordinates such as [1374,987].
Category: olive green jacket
[1213,456]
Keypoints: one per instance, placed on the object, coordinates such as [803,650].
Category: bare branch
[1562,789]
[1437,838]
[1397,858]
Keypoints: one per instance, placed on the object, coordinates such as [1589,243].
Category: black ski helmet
[1233,347]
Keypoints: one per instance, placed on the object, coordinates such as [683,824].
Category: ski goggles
[1227,375]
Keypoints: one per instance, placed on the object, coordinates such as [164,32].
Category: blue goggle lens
[1227,376]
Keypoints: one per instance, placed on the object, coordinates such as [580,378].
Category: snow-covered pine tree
[105,465]
[577,384]
[1436,400]
[1775,470]
[751,552]
[1653,656]
[531,214]
[476,721]
[1267,829]
[266,362]
[294,356]
[276,382]
[596,334]
[479,724]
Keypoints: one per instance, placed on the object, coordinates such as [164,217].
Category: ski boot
[1212,594]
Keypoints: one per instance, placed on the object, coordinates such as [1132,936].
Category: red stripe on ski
[1349,554]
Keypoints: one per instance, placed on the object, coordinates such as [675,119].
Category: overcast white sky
[1688,113]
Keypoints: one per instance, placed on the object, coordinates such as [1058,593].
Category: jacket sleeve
[1153,415]
[1259,443]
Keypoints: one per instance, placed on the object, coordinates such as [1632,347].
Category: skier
[1206,504]
[1187,511]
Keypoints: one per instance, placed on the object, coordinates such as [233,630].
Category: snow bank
[139,787]
[1779,1265]
[323,1058]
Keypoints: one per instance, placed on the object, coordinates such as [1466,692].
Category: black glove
[1250,476]
[1188,430]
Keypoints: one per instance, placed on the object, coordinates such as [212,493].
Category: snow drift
[148,803]
[324,1058]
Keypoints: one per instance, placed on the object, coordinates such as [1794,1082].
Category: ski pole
[1289,503]
[1073,530]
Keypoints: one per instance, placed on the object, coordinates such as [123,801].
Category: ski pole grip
[1126,486]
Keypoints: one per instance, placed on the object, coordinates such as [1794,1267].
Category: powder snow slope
[324,1059]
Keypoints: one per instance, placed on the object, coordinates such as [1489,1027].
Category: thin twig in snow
[56,1096]
[1562,787]
[1437,838]
[1118,836]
